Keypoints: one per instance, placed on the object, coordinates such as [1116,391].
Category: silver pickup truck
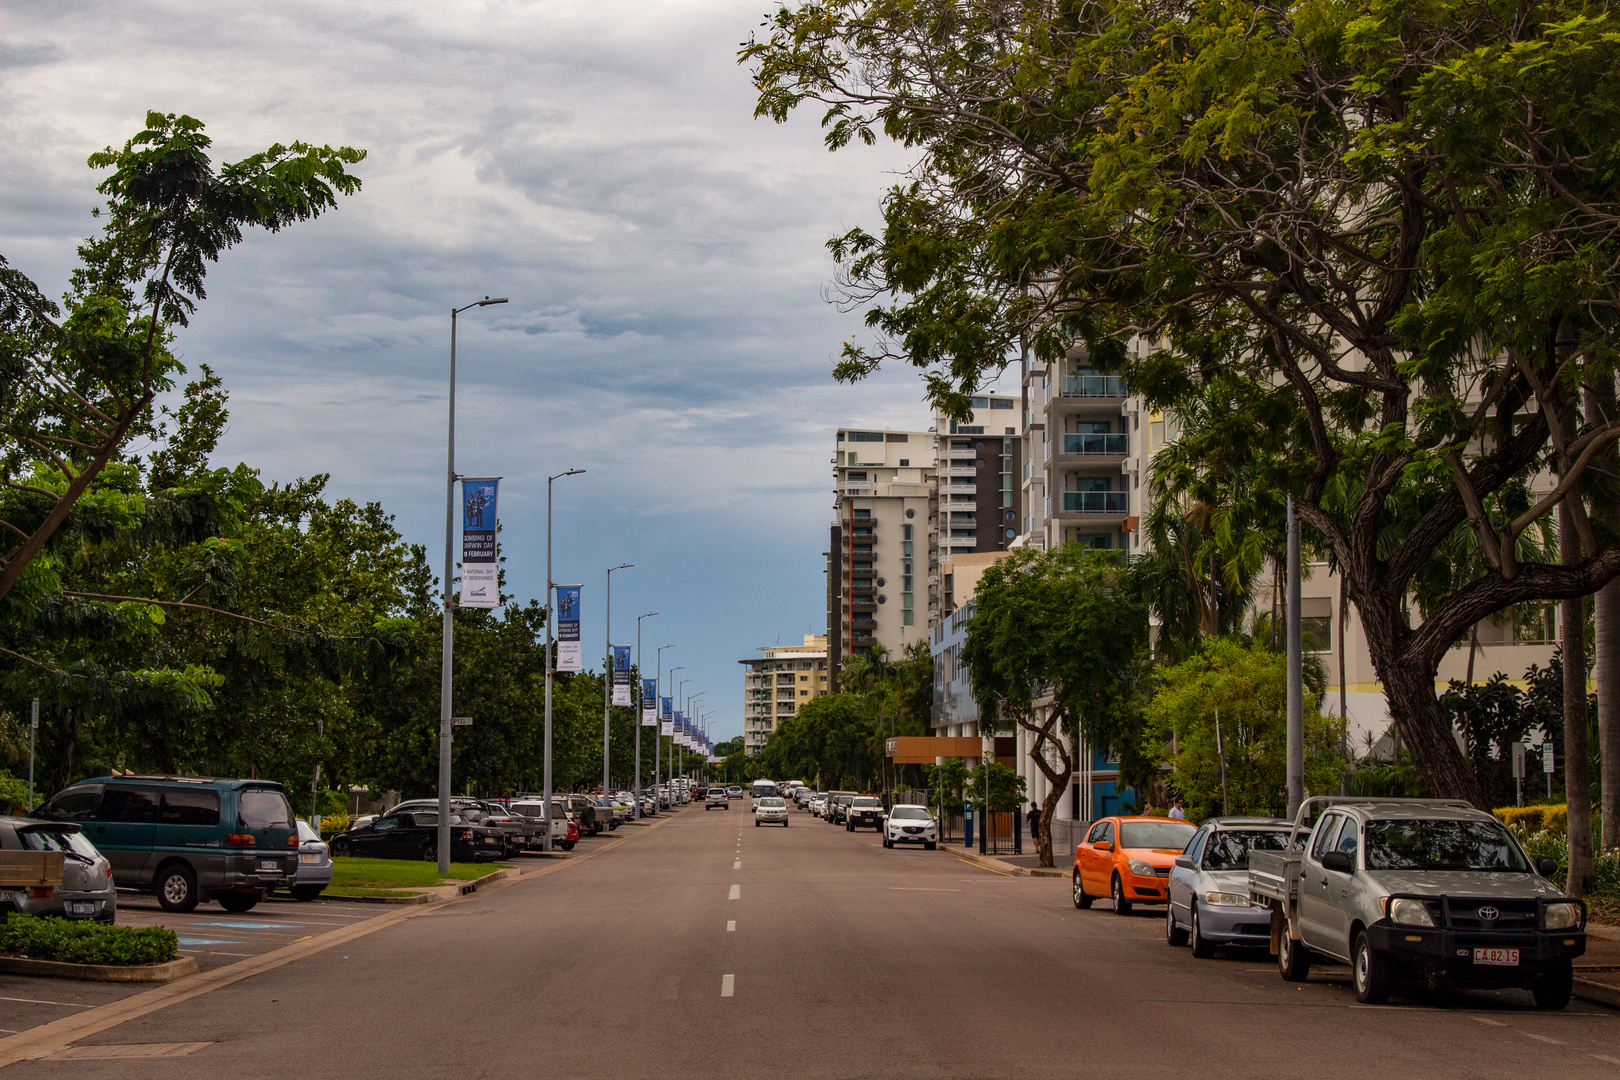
[1423,889]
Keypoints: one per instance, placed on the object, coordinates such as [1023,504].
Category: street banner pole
[1296,693]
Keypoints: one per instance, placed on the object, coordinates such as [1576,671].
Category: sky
[598,163]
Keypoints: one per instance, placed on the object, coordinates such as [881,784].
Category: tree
[1369,242]
[1244,685]
[1055,646]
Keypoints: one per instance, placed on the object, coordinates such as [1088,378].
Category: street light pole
[676,696]
[635,786]
[693,720]
[658,729]
[685,705]
[545,781]
[607,673]
[448,647]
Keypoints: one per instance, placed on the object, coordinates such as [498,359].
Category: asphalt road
[704,945]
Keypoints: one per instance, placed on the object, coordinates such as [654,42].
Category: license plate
[1497,957]
[309,858]
[81,907]
[270,865]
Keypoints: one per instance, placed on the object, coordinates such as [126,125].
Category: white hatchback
[909,823]
[770,809]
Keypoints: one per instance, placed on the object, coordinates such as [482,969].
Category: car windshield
[49,840]
[772,802]
[1229,849]
[261,808]
[1155,834]
[866,801]
[1442,845]
[909,813]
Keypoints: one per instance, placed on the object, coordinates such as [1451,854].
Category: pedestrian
[1179,810]
[1034,819]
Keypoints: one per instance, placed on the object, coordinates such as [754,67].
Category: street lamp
[445,660]
[545,782]
[635,787]
[693,719]
[676,696]
[658,728]
[607,674]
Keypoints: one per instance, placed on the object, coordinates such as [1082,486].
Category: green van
[188,839]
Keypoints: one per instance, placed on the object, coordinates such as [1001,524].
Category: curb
[990,862]
[110,973]
[434,892]
[419,898]
[1602,993]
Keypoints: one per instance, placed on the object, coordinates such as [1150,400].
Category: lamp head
[486,301]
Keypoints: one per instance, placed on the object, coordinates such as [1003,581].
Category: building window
[863,515]
[905,601]
[866,436]
[1316,633]
[906,534]
[907,619]
[854,477]
[911,513]
[905,463]
[905,547]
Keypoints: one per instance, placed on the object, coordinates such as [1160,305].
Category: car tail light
[292,841]
[239,839]
[467,836]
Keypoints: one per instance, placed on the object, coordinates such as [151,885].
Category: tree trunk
[1050,733]
[1421,723]
[1600,405]
[1577,781]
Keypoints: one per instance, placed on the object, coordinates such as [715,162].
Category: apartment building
[778,682]
[878,547]
[976,509]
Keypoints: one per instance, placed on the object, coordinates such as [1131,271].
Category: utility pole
[1296,693]
[551,616]
[607,674]
[641,671]
[33,729]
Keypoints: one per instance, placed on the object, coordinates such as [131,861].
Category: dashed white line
[58,1004]
[731,925]
[736,893]
[1480,1020]
[737,865]
[728,984]
[1610,1060]
[1542,1038]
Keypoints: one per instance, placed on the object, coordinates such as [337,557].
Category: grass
[383,877]
[87,942]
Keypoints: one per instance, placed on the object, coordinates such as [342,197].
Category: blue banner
[570,656]
[621,675]
[668,726]
[649,702]
[480,577]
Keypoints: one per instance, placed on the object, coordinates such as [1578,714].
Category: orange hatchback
[1129,860]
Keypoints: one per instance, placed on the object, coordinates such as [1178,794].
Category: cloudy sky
[594,160]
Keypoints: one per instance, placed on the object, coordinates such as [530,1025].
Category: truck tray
[1273,875]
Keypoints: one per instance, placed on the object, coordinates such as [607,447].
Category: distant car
[314,864]
[407,834]
[734,792]
[564,833]
[864,812]
[87,890]
[803,797]
[908,823]
[838,808]
[1209,885]
[818,804]
[1128,859]
[716,797]
[770,810]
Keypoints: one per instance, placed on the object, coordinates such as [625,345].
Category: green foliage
[947,782]
[835,737]
[87,942]
[1006,788]
[13,794]
[1247,686]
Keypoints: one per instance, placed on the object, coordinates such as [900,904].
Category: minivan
[188,839]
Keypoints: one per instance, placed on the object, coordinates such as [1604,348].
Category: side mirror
[1337,860]
[1184,863]
[1546,866]
[1103,845]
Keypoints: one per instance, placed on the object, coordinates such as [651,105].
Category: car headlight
[1226,899]
[1409,912]
[1562,916]
[1142,869]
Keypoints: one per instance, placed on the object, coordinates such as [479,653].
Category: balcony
[1096,502]
[1092,386]
[1095,445]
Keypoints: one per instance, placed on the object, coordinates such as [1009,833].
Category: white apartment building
[977,507]
[778,682]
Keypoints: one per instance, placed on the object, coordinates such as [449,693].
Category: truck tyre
[1556,985]
[1174,936]
[1371,972]
[1122,906]
[1081,900]
[236,902]
[177,888]
[1293,958]
[1202,947]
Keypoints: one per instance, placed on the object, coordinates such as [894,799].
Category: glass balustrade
[1093,386]
[1097,444]
[1096,502]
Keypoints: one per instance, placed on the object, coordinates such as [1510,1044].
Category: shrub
[332,824]
[1555,819]
[87,942]
[1523,820]
[13,794]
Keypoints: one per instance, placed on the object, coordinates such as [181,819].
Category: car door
[1099,867]
[188,825]
[372,842]
[1184,875]
[124,829]
[1317,923]
[1335,915]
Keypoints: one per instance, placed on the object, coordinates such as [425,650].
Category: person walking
[1034,819]
[1179,810]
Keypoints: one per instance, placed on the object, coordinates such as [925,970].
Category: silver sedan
[87,890]
[1209,885]
[314,864]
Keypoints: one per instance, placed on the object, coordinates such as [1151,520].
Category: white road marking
[1477,1019]
[736,893]
[1610,1060]
[731,925]
[59,1004]
[728,983]
[737,865]
[1542,1038]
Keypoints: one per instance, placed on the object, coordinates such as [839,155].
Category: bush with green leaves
[87,942]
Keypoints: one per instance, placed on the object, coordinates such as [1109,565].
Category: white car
[772,809]
[818,804]
[909,823]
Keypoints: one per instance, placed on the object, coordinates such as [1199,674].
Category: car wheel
[177,888]
[236,902]
[1174,936]
[307,892]
[1556,985]
[1081,900]
[430,853]
[1293,958]
[887,842]
[1122,906]
[1202,947]
[567,845]
[756,823]
[340,849]
[784,823]
[930,845]
[1371,972]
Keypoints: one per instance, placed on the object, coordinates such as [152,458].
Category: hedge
[1529,819]
[87,942]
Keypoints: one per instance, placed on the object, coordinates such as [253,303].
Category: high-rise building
[977,506]
[879,544]
[778,682]
[1084,445]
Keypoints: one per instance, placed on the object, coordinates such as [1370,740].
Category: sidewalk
[1015,865]
[1597,973]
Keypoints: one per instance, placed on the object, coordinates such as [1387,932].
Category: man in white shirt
[1178,811]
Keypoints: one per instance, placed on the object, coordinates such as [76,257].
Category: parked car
[564,832]
[818,804]
[716,797]
[515,831]
[314,863]
[189,839]
[864,812]
[909,823]
[1209,885]
[405,833]
[1128,859]
[87,890]
[769,810]
[1425,888]
[590,818]
[735,791]
[838,809]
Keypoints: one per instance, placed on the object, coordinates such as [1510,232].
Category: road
[707,945]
